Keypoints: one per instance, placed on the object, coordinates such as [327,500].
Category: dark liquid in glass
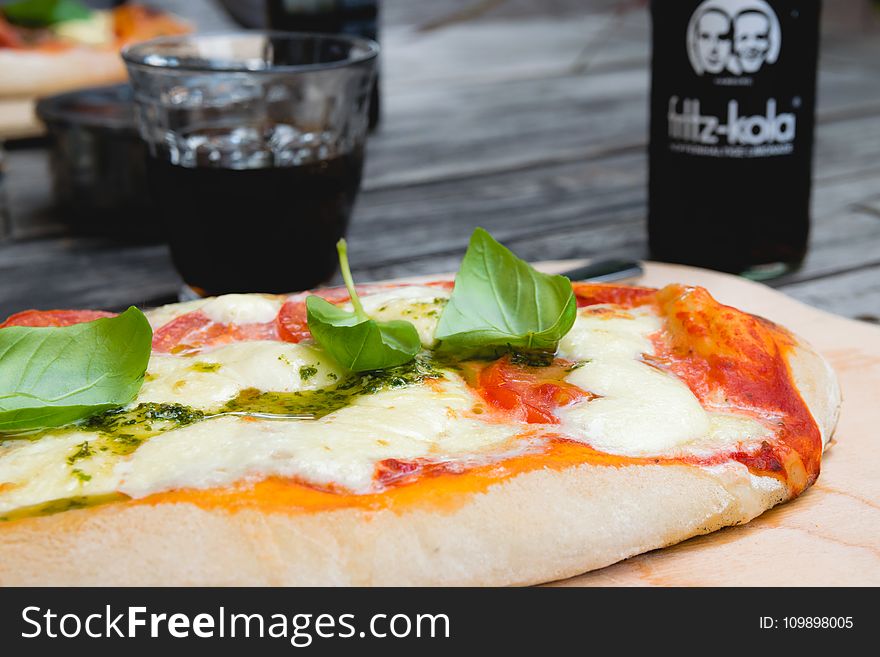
[255,230]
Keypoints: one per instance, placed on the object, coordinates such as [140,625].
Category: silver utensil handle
[604,271]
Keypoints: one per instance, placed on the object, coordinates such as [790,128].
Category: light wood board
[830,536]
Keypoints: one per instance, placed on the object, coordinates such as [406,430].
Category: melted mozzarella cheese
[211,378]
[421,305]
[641,410]
[607,333]
[242,309]
[342,449]
[33,472]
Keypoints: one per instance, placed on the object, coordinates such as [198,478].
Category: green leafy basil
[500,301]
[40,13]
[51,376]
[355,341]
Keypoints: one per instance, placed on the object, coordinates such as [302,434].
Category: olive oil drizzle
[57,506]
[121,431]
[315,404]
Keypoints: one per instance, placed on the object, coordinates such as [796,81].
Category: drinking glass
[255,151]
[5,220]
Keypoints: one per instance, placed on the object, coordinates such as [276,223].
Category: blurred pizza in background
[50,46]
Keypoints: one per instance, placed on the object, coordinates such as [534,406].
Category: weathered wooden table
[526,117]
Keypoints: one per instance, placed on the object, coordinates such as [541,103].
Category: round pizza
[52,46]
[510,428]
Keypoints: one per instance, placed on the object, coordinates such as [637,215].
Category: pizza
[59,45]
[250,455]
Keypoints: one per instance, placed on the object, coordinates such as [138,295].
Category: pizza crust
[535,527]
[25,74]
[818,386]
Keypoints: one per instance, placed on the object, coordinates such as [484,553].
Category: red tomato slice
[589,294]
[293,324]
[194,331]
[54,317]
[445,285]
[529,394]
[393,471]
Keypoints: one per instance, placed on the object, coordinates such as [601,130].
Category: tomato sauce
[524,392]
[715,348]
[195,331]
[54,317]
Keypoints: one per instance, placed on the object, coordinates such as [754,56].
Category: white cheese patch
[341,448]
[641,411]
[421,305]
[159,317]
[209,379]
[242,309]
[33,472]
[606,332]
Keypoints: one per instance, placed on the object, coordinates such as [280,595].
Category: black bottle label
[743,83]
[732,112]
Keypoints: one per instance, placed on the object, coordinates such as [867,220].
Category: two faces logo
[733,36]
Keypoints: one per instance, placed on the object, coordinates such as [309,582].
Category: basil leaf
[355,341]
[357,344]
[50,376]
[45,12]
[500,301]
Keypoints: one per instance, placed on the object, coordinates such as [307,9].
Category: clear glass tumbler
[5,220]
[256,147]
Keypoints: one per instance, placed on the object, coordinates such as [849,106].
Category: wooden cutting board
[830,536]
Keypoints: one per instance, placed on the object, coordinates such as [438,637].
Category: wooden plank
[583,209]
[422,15]
[84,273]
[853,292]
[464,128]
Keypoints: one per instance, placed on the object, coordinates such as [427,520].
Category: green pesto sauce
[323,401]
[532,358]
[83,451]
[57,506]
[82,476]
[122,431]
[205,367]
[306,372]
